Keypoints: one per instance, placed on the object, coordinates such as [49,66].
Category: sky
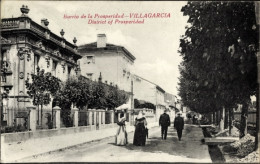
[154,43]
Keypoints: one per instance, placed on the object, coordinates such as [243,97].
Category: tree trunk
[214,118]
[222,117]
[217,118]
[41,115]
[257,117]
[257,6]
[226,118]
[244,114]
[230,120]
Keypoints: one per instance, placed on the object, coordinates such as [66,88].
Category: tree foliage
[41,88]
[148,105]
[219,55]
[85,93]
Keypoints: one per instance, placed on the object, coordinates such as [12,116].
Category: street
[190,149]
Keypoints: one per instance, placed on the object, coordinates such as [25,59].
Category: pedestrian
[194,119]
[121,134]
[140,132]
[164,122]
[146,128]
[179,124]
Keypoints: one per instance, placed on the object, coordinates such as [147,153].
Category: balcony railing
[10,23]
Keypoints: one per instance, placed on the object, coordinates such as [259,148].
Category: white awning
[124,106]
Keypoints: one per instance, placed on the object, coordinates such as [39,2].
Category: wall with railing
[251,118]
[34,123]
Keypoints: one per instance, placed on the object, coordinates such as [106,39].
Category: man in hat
[164,122]
[179,124]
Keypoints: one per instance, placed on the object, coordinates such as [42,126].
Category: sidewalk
[11,152]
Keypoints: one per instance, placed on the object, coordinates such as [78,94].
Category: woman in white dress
[121,135]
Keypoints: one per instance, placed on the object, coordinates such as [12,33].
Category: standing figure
[164,122]
[178,125]
[121,135]
[194,119]
[140,132]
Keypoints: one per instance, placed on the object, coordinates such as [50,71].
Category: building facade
[25,47]
[148,91]
[170,101]
[114,63]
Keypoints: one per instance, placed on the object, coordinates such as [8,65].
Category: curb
[67,147]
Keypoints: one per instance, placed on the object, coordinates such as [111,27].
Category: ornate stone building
[26,46]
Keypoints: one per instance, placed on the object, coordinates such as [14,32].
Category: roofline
[129,54]
[69,46]
[157,86]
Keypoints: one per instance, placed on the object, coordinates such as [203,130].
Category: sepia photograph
[129,81]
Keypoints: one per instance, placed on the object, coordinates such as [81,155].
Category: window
[54,67]
[69,70]
[90,75]
[36,62]
[90,59]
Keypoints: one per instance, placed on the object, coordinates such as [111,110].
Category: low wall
[23,136]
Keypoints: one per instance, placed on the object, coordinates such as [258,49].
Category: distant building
[169,100]
[148,91]
[26,46]
[113,62]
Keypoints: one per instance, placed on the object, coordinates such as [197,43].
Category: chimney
[42,22]
[101,40]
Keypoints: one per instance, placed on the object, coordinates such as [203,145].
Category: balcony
[21,23]
[9,23]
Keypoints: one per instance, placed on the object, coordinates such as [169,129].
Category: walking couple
[140,134]
[164,122]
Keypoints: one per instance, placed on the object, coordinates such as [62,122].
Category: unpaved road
[190,149]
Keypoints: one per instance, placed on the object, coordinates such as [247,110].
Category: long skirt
[121,136]
[140,135]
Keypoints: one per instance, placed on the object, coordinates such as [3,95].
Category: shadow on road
[189,147]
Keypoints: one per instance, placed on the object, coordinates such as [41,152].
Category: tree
[85,93]
[148,105]
[42,87]
[219,56]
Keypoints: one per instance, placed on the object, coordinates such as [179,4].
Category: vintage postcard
[129,81]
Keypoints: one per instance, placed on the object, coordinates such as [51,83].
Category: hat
[140,115]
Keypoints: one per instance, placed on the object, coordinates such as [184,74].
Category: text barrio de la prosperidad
[131,18]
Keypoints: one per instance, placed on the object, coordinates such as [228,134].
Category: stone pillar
[112,116]
[95,117]
[104,117]
[90,113]
[99,117]
[76,117]
[32,118]
[56,110]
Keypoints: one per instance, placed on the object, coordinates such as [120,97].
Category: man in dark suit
[178,125]
[164,122]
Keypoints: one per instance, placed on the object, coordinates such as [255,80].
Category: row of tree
[219,68]
[84,93]
[77,92]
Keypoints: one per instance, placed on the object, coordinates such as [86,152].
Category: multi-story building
[150,92]
[170,104]
[113,62]
[26,45]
